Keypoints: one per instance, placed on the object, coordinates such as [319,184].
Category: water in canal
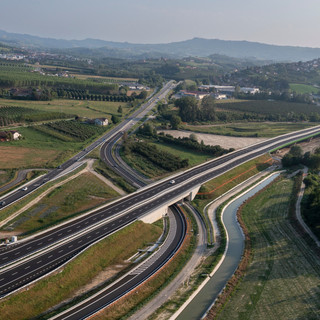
[203,300]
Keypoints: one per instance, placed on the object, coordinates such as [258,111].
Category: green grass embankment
[281,270]
[107,254]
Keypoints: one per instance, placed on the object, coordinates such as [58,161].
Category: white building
[101,121]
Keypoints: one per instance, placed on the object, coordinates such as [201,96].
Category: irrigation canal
[197,308]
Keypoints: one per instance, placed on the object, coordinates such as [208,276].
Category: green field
[276,110]
[303,88]
[250,129]
[81,108]
[78,195]
[283,277]
[39,149]
[151,170]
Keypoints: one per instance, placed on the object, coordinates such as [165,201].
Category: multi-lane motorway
[78,234]
[129,208]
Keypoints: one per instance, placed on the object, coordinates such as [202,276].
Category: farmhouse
[101,121]
[9,135]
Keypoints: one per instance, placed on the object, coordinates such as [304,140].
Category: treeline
[160,158]
[273,110]
[85,95]
[11,115]
[311,203]
[23,78]
[295,157]
[190,110]
[191,144]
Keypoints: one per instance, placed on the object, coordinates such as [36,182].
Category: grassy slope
[283,279]
[230,179]
[56,288]
[303,88]
[83,193]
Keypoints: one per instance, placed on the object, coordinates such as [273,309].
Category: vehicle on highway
[24,189]
[172,182]
[2,203]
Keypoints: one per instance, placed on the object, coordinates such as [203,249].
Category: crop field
[252,129]
[283,278]
[23,157]
[71,130]
[81,108]
[18,75]
[303,88]
[107,256]
[11,115]
[37,149]
[270,107]
[78,195]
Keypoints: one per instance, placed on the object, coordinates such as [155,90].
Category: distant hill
[194,47]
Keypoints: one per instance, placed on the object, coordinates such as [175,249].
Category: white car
[172,182]
[24,188]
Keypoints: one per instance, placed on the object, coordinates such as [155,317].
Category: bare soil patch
[213,139]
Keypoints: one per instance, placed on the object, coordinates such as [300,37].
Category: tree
[188,108]
[208,108]
[143,95]
[193,137]
[115,119]
[120,109]
[175,121]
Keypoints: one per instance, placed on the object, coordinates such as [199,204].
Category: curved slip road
[134,278]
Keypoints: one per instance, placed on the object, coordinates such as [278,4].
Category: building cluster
[134,86]
[9,135]
[218,92]
[98,121]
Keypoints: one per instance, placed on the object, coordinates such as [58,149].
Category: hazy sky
[285,22]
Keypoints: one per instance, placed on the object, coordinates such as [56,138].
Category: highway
[125,125]
[129,208]
[134,278]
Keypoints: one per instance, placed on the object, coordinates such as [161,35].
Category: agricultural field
[44,147]
[78,195]
[70,130]
[250,129]
[81,108]
[272,109]
[10,115]
[283,278]
[303,88]
[18,75]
